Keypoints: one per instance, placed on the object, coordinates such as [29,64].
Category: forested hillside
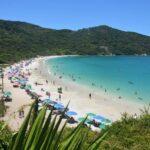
[20,40]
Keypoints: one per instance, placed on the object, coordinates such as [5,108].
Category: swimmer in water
[130,82]
[135,92]
[118,89]
[93,84]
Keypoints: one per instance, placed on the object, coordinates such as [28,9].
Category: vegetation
[5,134]
[128,133]
[26,40]
[46,133]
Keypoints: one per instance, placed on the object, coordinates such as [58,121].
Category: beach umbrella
[59,106]
[91,114]
[82,119]
[22,82]
[107,122]
[102,126]
[28,87]
[48,101]
[99,118]
[7,93]
[71,113]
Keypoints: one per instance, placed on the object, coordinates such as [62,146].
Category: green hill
[19,40]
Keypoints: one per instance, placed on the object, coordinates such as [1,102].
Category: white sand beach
[80,102]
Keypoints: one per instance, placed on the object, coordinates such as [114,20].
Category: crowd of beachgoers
[19,76]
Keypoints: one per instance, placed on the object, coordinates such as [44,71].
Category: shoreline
[100,103]
[76,94]
[112,94]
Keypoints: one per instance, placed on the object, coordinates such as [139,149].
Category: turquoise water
[125,76]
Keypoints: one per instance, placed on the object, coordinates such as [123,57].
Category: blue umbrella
[59,106]
[99,118]
[22,82]
[48,101]
[71,113]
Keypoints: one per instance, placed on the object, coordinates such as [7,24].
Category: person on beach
[93,84]
[48,94]
[22,112]
[47,81]
[19,113]
[42,90]
[59,96]
[90,95]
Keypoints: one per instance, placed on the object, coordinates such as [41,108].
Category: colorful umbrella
[28,87]
[59,106]
[48,101]
[99,118]
[102,126]
[71,113]
[91,114]
[82,119]
[7,93]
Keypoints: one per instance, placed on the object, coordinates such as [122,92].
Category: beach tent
[71,113]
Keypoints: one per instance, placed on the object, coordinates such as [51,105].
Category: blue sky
[128,15]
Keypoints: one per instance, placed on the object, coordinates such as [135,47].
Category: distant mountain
[20,40]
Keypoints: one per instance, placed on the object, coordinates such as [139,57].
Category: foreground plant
[45,133]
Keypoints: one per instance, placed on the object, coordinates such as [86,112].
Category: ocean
[126,77]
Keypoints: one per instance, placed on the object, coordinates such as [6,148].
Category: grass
[128,133]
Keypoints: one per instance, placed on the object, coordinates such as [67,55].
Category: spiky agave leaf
[35,130]
[44,135]
[13,140]
[55,130]
[57,141]
[82,141]
[96,143]
[44,131]
[49,132]
[71,138]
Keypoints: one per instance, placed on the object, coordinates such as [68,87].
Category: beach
[77,96]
